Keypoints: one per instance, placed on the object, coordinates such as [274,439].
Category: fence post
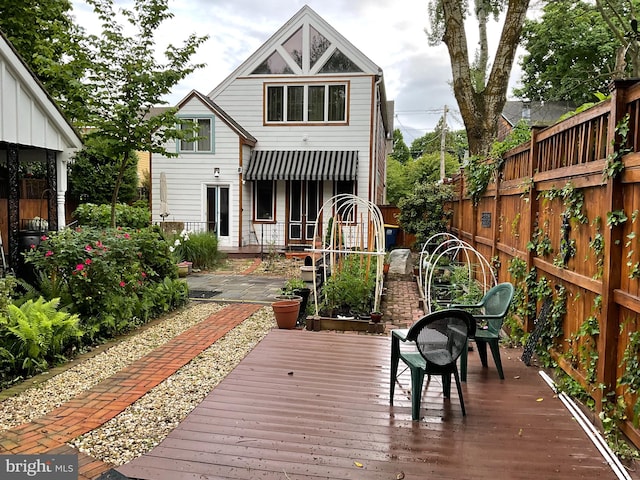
[532,201]
[613,242]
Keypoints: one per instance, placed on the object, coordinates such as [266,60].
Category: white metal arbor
[349,225]
[447,245]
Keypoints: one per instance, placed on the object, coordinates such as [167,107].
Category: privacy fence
[560,219]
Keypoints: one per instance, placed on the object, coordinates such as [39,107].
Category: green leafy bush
[99,216]
[199,248]
[108,276]
[37,334]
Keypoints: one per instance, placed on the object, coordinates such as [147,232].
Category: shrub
[199,248]
[99,216]
[37,334]
[105,276]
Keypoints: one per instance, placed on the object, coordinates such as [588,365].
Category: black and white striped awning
[302,165]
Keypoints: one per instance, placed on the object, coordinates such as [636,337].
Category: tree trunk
[481,111]
[116,187]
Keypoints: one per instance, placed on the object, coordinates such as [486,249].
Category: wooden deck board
[314,405]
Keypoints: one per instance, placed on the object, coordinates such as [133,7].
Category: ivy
[597,245]
[615,164]
[558,309]
[615,218]
[540,243]
[478,174]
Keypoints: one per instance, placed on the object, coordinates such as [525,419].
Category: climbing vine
[615,164]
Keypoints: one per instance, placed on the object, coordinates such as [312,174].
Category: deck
[307,405]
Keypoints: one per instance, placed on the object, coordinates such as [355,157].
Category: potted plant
[286,313]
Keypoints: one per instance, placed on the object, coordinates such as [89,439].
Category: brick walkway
[94,407]
[101,403]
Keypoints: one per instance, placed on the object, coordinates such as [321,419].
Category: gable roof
[537,114]
[28,114]
[221,114]
[304,17]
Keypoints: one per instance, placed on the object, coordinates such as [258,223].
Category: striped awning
[302,165]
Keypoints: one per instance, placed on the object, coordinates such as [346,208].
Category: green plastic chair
[489,315]
[439,338]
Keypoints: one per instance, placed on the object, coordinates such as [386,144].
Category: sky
[390,33]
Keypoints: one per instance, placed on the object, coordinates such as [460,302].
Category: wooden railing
[602,270]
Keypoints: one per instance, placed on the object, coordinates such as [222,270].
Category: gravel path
[148,421]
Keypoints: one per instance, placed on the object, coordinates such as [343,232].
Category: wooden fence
[390,217]
[552,192]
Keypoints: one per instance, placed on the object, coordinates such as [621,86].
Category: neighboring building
[36,142]
[302,119]
[536,114]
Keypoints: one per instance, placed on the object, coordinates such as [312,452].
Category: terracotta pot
[376,317]
[286,313]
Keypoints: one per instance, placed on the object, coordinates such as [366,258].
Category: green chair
[439,338]
[489,315]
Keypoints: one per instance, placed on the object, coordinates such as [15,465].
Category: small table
[397,335]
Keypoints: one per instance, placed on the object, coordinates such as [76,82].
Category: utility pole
[443,142]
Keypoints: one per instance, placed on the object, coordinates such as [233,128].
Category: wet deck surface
[307,405]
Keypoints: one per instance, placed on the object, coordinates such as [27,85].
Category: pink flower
[32,246]
[122,284]
[127,236]
[80,267]
[44,238]
[87,261]
[88,248]
[144,275]
[48,254]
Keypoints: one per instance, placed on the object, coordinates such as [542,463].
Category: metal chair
[439,338]
[489,315]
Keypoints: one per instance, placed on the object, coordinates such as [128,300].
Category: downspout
[374,151]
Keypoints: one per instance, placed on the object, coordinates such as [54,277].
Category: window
[264,200]
[306,103]
[205,134]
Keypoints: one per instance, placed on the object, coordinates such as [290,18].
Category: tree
[54,48]
[423,211]
[571,53]
[92,177]
[480,105]
[400,150]
[403,178]
[620,17]
[127,81]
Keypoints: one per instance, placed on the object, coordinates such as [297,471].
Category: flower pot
[308,273]
[376,317]
[183,269]
[304,294]
[286,313]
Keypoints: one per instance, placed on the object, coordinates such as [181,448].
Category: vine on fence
[615,163]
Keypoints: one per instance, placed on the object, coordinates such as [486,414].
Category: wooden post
[533,212]
[613,243]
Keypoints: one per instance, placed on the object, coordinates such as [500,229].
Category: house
[536,114]
[304,118]
[36,143]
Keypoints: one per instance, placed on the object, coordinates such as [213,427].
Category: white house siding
[189,175]
[243,100]
[27,115]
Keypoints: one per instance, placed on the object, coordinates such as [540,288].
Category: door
[218,210]
[304,204]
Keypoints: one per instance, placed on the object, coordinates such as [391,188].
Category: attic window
[293,46]
[318,44]
[274,65]
[339,63]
